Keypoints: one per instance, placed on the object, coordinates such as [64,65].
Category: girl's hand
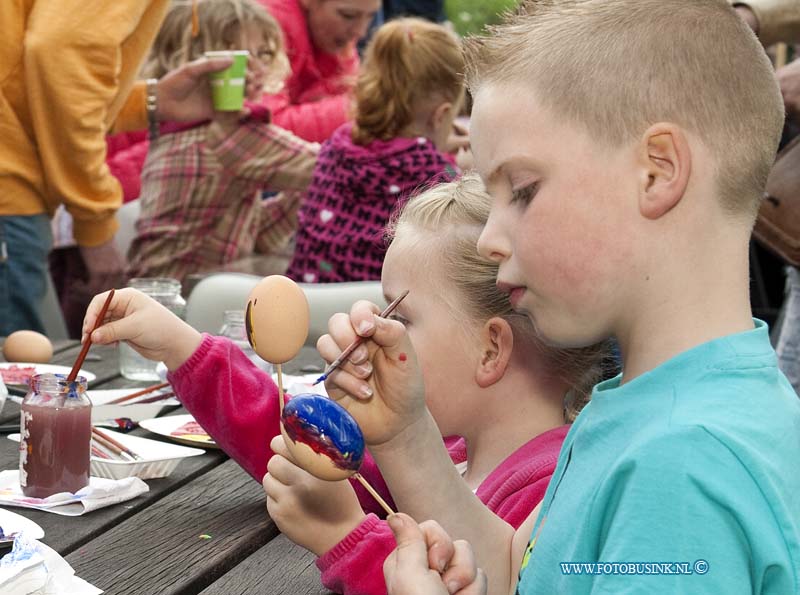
[145,325]
[313,513]
[380,384]
[428,562]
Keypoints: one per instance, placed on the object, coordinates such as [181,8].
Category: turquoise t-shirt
[684,480]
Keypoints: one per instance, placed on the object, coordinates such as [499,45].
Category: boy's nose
[491,245]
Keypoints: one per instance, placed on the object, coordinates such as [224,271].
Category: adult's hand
[789,80]
[428,562]
[104,264]
[184,95]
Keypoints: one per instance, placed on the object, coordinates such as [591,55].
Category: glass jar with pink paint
[55,436]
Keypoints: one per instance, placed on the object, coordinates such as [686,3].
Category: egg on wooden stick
[321,435]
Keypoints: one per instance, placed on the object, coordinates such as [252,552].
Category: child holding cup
[201,203]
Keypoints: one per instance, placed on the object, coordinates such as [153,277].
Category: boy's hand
[143,323]
[313,513]
[380,384]
[428,562]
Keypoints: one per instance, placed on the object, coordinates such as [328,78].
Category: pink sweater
[237,404]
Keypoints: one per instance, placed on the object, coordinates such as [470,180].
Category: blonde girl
[487,380]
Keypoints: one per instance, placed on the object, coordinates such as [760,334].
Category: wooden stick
[358,341]
[375,494]
[145,391]
[85,349]
[155,399]
[102,437]
[281,397]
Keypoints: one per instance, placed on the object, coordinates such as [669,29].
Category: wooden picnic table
[152,545]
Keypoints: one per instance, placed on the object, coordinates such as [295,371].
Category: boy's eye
[525,194]
[399,319]
[348,16]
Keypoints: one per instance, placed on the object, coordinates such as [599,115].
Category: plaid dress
[201,205]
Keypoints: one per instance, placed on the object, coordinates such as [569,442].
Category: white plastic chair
[228,291]
[127,216]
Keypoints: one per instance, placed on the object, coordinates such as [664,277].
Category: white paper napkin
[98,494]
[33,568]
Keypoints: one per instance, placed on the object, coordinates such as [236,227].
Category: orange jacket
[67,72]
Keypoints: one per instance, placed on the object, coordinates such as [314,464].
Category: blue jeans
[25,241]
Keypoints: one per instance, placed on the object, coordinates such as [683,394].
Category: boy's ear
[667,163]
[497,343]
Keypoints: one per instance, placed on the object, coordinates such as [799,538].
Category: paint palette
[322,436]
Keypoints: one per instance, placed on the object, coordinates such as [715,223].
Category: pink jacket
[237,404]
[316,98]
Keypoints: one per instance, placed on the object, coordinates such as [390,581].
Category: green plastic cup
[227,86]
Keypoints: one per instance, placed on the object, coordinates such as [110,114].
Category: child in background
[407,96]
[201,203]
[482,366]
[625,176]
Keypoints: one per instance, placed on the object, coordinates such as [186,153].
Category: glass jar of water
[233,328]
[167,292]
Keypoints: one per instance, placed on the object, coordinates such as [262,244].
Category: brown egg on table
[276,319]
[27,346]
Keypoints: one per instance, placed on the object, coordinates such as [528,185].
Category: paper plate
[12,522]
[42,369]
[157,458]
[173,426]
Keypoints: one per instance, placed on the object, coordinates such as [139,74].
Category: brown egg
[276,319]
[27,346]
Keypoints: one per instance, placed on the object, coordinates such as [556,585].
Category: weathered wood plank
[278,567]
[65,534]
[159,550]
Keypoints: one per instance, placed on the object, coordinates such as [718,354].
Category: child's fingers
[122,329]
[278,446]
[93,311]
[272,487]
[439,544]
[284,470]
[411,552]
[462,570]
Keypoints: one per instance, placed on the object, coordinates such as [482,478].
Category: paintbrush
[88,343]
[358,341]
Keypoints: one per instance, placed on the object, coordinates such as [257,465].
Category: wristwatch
[150,106]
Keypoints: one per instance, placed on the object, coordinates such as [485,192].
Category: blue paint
[326,427]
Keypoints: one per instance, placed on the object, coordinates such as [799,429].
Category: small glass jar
[167,292]
[55,436]
[233,328]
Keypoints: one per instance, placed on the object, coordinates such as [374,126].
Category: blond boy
[626,144]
